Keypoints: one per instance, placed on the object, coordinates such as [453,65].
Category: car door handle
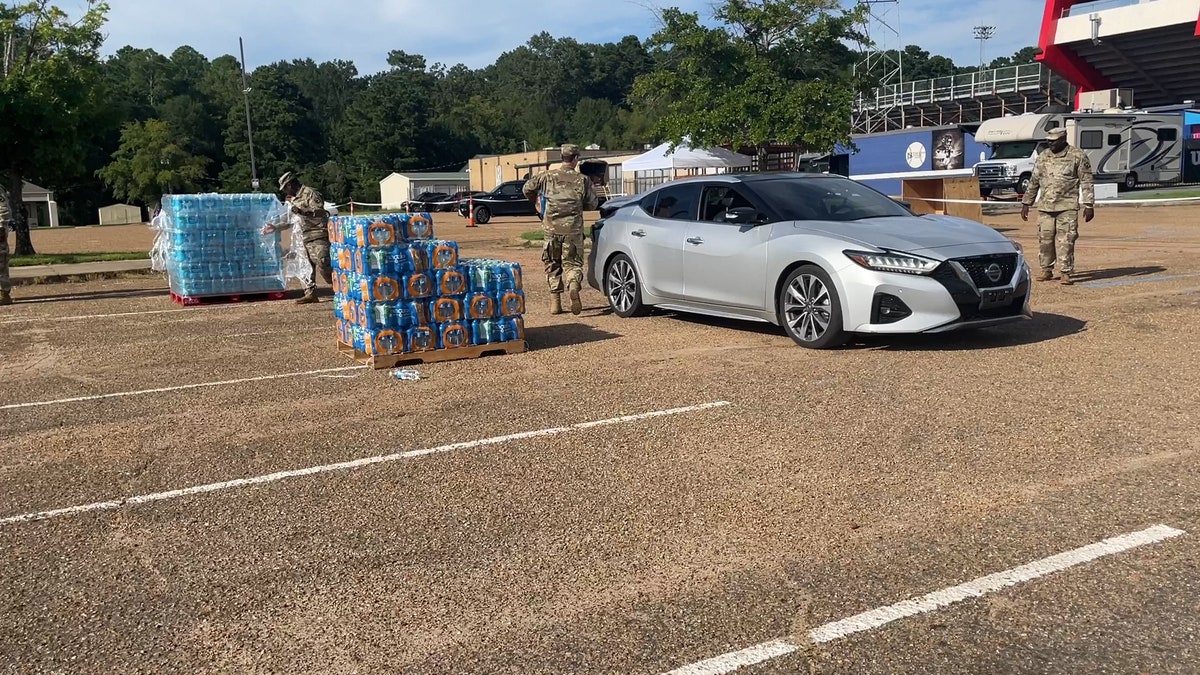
[695,240]
[638,233]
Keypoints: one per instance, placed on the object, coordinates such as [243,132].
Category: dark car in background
[506,200]
[426,201]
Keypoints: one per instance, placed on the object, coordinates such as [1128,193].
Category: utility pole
[983,34]
[249,129]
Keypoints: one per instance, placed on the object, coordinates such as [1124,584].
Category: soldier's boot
[1066,280]
[1044,275]
[556,303]
[6,298]
[576,302]
[310,296]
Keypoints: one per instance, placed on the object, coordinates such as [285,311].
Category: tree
[48,87]
[385,128]
[776,71]
[1025,55]
[152,161]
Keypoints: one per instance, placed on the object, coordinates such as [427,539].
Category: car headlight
[888,261]
[1010,170]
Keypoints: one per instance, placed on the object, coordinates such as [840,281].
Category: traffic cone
[471,211]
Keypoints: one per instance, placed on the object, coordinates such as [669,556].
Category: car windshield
[1018,150]
[837,199]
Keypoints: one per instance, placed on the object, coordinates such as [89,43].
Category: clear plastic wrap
[399,290]
[213,244]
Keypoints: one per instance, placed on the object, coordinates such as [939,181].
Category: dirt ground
[629,496]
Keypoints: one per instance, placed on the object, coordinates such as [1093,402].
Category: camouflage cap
[1056,133]
[285,179]
[570,150]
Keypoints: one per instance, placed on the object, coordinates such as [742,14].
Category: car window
[826,198]
[509,189]
[677,202]
[718,199]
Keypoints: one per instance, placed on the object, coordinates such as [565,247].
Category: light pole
[983,34]
[249,129]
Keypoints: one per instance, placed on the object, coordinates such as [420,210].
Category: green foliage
[773,71]
[152,161]
[141,123]
[49,100]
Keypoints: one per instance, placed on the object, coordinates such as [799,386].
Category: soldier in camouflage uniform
[5,220]
[310,206]
[564,195]
[1061,172]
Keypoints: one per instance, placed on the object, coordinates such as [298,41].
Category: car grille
[990,172]
[978,266]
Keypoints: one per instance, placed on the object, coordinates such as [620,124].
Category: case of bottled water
[212,244]
[400,290]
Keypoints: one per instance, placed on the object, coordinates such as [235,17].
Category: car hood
[935,236]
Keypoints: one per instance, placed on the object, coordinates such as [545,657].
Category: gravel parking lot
[734,490]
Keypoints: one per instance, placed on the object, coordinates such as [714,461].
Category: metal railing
[965,87]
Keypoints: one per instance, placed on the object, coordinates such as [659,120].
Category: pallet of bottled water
[212,247]
[403,295]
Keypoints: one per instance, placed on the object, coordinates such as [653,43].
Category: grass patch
[73,258]
[1167,194]
[538,235]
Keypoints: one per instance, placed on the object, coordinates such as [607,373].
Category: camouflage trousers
[563,256]
[1057,233]
[5,283]
[318,255]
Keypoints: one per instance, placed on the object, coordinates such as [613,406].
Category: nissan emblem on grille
[993,272]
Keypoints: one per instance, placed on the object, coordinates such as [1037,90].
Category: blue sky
[475,32]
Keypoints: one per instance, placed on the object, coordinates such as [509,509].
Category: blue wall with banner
[884,160]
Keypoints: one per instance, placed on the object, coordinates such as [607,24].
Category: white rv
[1016,141]
[1129,147]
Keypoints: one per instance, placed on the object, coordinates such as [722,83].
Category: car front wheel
[482,215]
[809,309]
[623,288]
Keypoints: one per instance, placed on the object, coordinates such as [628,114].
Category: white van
[1130,147]
[1016,141]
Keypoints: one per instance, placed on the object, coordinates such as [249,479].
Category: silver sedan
[821,255]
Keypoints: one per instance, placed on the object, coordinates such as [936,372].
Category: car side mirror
[743,215]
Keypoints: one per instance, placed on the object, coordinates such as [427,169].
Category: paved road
[776,491]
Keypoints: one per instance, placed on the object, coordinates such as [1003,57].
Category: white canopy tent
[686,157]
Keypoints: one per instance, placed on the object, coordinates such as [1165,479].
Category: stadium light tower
[983,34]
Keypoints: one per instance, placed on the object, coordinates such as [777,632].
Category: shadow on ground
[19,295]
[1082,276]
[1042,328]
[565,335]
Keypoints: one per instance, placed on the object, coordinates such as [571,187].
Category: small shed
[121,214]
[398,188]
[40,208]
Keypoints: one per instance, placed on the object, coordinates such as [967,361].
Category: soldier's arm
[533,186]
[1034,183]
[591,201]
[1087,182]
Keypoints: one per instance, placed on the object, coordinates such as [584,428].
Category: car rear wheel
[623,288]
[809,309]
[482,215]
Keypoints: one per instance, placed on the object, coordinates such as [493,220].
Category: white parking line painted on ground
[100,316]
[182,387]
[343,466]
[727,663]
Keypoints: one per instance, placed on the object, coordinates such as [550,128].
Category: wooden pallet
[258,296]
[382,361]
